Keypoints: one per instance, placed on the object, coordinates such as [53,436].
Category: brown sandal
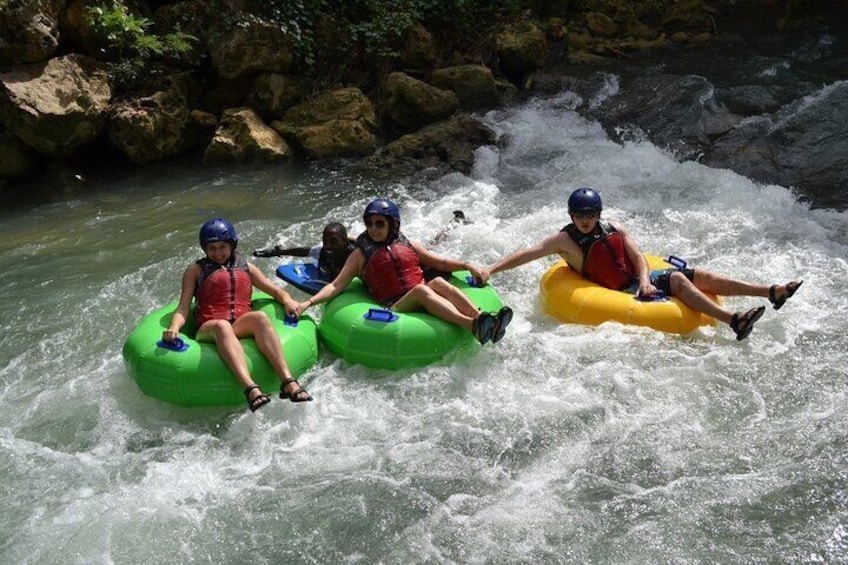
[295,395]
[257,402]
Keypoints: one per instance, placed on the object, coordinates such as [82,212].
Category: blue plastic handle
[658,296]
[179,345]
[290,321]
[676,261]
[378,315]
[472,282]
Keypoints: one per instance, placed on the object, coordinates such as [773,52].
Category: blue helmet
[383,207]
[584,200]
[217,229]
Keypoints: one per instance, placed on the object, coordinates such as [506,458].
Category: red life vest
[223,291]
[605,260]
[390,270]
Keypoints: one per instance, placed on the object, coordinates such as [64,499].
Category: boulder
[419,52]
[778,148]
[248,48]
[649,103]
[411,104]
[273,94]
[57,106]
[435,150]
[242,137]
[188,17]
[474,85]
[339,123]
[688,16]
[336,139]
[522,48]
[29,30]
[15,158]
[151,128]
[77,29]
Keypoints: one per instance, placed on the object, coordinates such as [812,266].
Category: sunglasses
[586,215]
[379,224]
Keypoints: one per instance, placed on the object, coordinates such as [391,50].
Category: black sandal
[294,395]
[791,287]
[484,327]
[504,317]
[744,323]
[257,402]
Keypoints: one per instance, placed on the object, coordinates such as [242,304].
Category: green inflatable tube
[198,376]
[385,340]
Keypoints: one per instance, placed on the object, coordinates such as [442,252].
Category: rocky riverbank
[238,95]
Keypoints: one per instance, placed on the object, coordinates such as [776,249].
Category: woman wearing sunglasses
[605,253]
[390,265]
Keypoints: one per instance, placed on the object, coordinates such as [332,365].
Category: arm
[430,259]
[638,259]
[265,284]
[276,251]
[178,318]
[554,243]
[352,267]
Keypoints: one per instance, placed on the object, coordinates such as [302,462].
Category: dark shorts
[662,280]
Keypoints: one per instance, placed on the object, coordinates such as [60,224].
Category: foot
[292,390]
[483,327]
[743,323]
[255,398]
[786,292]
[503,318]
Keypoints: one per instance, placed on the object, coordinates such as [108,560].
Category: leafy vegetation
[375,29]
[128,45]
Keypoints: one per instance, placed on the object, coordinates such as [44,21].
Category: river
[561,444]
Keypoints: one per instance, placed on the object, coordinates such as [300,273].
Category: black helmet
[584,200]
[217,229]
[382,207]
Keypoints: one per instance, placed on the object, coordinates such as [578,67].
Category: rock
[437,149]
[688,16]
[339,123]
[188,17]
[336,139]
[341,104]
[77,29]
[601,24]
[522,48]
[647,102]
[474,85]
[248,48]
[151,128]
[242,137]
[29,30]
[411,103]
[777,148]
[273,94]
[15,158]
[57,106]
[419,52]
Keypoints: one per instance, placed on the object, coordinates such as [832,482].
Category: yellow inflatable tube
[570,298]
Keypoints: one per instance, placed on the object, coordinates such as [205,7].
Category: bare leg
[230,350]
[258,325]
[455,296]
[692,295]
[426,298]
[717,284]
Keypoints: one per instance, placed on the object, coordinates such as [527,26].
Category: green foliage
[129,47]
[376,28]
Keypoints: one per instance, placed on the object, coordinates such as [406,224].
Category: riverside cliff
[238,82]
